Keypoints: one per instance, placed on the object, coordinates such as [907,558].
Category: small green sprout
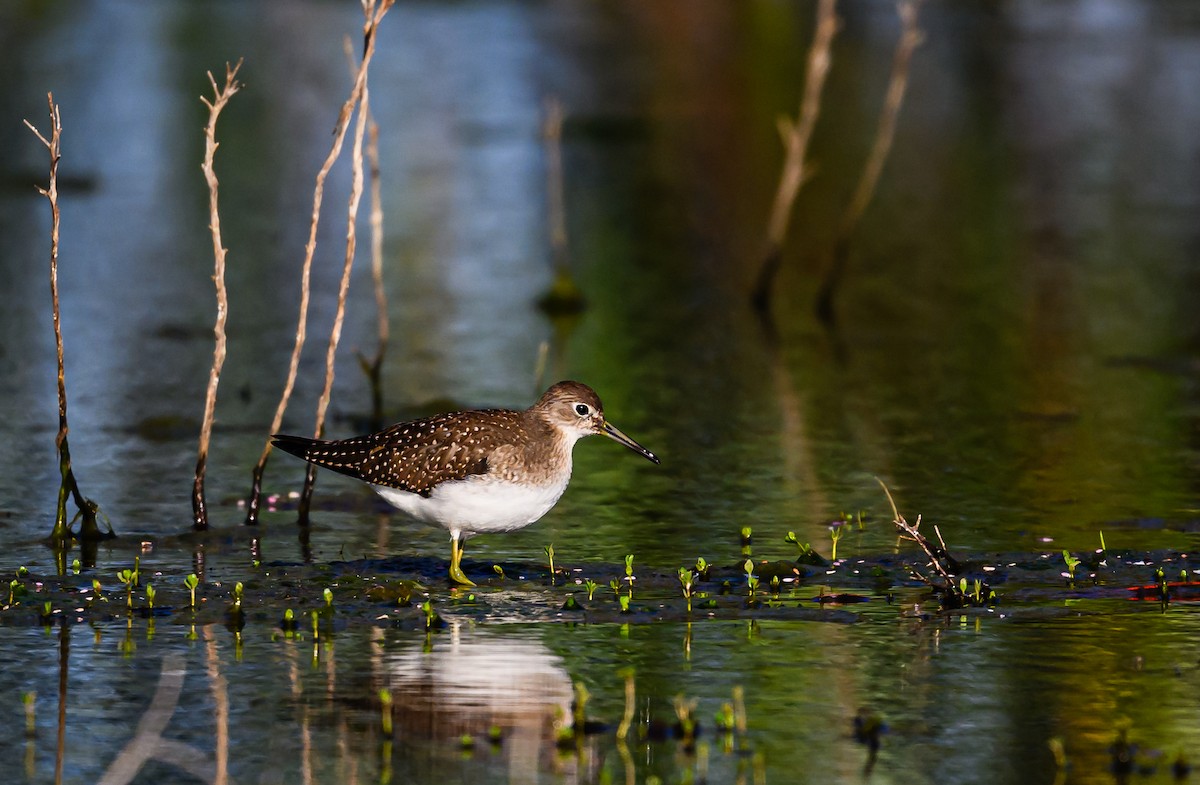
[751,580]
[496,568]
[1072,563]
[687,581]
[1102,548]
[624,600]
[137,571]
[549,549]
[615,585]
[702,568]
[629,576]
[432,619]
[96,587]
[22,571]
[1183,576]
[775,585]
[150,592]
[747,540]
[237,597]
[191,582]
[591,587]
[47,607]
[76,567]
[12,591]
[328,595]
[836,530]
[316,626]
[126,578]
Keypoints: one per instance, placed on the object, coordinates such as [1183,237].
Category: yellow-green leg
[456,552]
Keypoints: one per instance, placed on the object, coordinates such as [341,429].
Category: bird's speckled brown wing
[415,456]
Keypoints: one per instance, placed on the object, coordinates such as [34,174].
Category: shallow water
[1016,356]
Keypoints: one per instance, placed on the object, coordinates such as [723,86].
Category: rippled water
[1016,355]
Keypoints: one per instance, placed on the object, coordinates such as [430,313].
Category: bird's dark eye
[582,409]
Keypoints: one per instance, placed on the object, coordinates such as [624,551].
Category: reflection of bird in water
[492,470]
[472,681]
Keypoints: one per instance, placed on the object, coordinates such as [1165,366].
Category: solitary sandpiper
[473,472]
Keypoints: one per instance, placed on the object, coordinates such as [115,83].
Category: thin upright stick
[374,15]
[88,528]
[910,38]
[221,97]
[796,136]
[356,187]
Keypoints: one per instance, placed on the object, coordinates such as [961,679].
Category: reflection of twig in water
[221,96]
[796,135]
[148,743]
[910,38]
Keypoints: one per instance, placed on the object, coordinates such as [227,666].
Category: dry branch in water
[910,38]
[335,334]
[946,578]
[221,97]
[87,509]
[796,135]
[374,13]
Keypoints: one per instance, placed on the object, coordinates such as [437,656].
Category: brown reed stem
[374,15]
[885,132]
[221,97]
[796,135]
[60,535]
[356,187]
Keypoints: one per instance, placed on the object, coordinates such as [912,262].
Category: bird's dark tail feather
[296,445]
[347,456]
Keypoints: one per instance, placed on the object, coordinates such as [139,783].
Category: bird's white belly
[477,506]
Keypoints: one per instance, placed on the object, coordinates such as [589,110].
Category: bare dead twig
[374,14]
[221,96]
[943,565]
[356,187]
[911,37]
[89,530]
[796,135]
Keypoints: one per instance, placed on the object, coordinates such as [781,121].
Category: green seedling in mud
[615,585]
[775,586]
[549,550]
[496,568]
[385,710]
[702,568]
[13,585]
[591,587]
[803,548]
[687,581]
[1183,576]
[328,595]
[624,600]
[96,587]
[1102,548]
[432,619]
[47,608]
[751,579]
[137,571]
[76,567]
[150,592]
[191,582]
[22,571]
[836,530]
[126,579]
[629,576]
[1072,563]
[237,597]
